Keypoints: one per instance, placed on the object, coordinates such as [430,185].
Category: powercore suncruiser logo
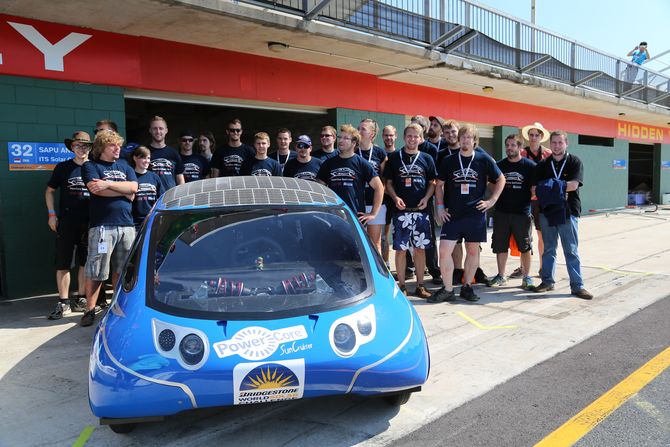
[257,343]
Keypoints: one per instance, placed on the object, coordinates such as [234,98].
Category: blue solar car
[245,290]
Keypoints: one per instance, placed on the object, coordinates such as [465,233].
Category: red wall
[153,64]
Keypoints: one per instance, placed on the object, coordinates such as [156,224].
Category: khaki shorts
[119,240]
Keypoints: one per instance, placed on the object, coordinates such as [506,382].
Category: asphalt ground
[474,348]
[530,406]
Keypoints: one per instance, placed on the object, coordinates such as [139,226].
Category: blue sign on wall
[25,156]
[619,164]
[665,164]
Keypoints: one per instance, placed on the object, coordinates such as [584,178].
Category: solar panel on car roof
[231,191]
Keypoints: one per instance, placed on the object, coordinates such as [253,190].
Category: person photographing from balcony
[639,55]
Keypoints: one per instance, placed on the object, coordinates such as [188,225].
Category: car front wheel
[122,428]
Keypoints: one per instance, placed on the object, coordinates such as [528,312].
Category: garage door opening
[640,173]
[199,117]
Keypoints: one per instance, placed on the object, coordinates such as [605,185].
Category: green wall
[661,176]
[604,187]
[35,110]
[354,117]
[499,135]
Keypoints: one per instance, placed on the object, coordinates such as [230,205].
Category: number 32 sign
[27,156]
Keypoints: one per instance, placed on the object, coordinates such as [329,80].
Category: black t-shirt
[283,159]
[228,160]
[74,197]
[429,148]
[323,156]
[306,171]
[375,156]
[519,177]
[109,211]
[573,170]
[411,175]
[196,167]
[166,163]
[348,177]
[466,186]
[148,191]
[263,168]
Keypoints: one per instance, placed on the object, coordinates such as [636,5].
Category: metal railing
[477,32]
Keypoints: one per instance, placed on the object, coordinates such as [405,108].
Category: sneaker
[102,302]
[78,304]
[480,277]
[527,283]
[468,294]
[62,308]
[544,287]
[442,295]
[409,274]
[497,281]
[517,273]
[457,277]
[88,318]
[422,292]
[583,294]
[437,277]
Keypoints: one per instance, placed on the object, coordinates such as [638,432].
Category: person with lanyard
[228,159]
[261,165]
[347,174]
[535,134]
[284,152]
[196,167]
[512,216]
[459,198]
[70,224]
[149,187]
[111,232]
[304,166]
[376,156]
[165,160]
[389,136]
[435,133]
[567,168]
[410,176]
[328,138]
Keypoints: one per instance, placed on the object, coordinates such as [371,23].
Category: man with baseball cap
[196,167]
[70,223]
[304,166]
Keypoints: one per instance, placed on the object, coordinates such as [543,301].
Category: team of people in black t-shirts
[440,176]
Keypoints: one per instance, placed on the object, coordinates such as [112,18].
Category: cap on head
[439,119]
[304,139]
[188,133]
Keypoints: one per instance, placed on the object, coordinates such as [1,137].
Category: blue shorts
[411,229]
[471,228]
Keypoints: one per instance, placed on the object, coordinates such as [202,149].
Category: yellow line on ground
[586,420]
[83,437]
[481,326]
[623,272]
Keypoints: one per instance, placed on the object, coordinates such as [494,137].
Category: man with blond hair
[112,185]
[348,173]
[165,160]
[261,165]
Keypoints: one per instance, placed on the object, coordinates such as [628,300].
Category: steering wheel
[268,248]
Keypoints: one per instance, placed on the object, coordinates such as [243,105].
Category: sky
[612,26]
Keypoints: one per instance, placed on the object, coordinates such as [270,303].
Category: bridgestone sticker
[257,343]
[261,382]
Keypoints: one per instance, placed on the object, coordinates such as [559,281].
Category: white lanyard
[558,176]
[360,152]
[279,161]
[408,171]
[465,172]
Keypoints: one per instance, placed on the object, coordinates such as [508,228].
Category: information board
[27,156]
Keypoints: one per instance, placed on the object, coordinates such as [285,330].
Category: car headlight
[364,326]
[166,340]
[192,349]
[344,338]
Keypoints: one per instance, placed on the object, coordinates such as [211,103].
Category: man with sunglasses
[304,166]
[228,159]
[328,138]
[196,167]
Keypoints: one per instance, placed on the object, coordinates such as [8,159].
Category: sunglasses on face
[302,146]
[238,130]
[326,135]
[187,140]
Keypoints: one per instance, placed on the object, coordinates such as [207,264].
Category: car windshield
[257,263]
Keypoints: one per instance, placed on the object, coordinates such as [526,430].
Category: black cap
[188,133]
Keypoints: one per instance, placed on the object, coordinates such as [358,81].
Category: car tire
[399,399]
[122,428]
